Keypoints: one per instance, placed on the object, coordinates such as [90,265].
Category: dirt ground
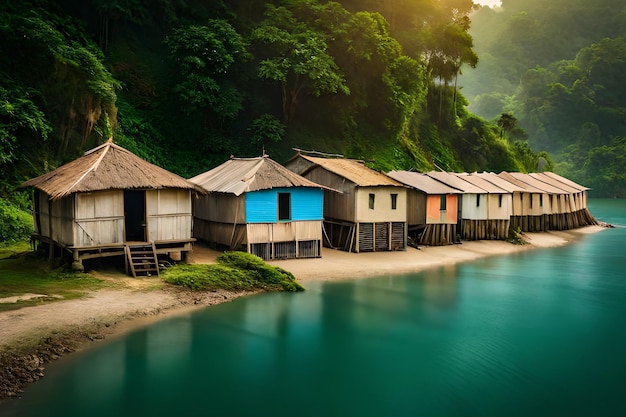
[32,336]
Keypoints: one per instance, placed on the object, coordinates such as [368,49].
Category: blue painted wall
[306,204]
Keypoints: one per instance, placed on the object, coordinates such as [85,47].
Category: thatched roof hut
[109,198]
[106,167]
[258,205]
[241,175]
[370,212]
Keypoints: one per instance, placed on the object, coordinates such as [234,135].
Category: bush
[269,274]
[210,277]
[15,223]
[234,271]
[241,260]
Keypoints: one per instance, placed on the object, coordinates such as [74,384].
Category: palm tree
[507,122]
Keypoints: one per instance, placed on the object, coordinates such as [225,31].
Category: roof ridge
[106,146]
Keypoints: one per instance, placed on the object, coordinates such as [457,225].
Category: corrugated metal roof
[422,182]
[353,171]
[535,183]
[240,175]
[566,181]
[500,182]
[481,183]
[106,167]
[455,182]
[553,182]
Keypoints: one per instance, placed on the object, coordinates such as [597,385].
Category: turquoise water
[539,333]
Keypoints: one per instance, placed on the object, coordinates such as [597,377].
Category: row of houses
[111,202]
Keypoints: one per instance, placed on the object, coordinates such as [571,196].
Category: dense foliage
[186,84]
[15,224]
[233,271]
[558,67]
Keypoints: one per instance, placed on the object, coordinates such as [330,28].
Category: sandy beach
[32,336]
[342,265]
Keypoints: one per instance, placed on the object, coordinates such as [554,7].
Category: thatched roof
[352,170]
[241,175]
[423,182]
[106,167]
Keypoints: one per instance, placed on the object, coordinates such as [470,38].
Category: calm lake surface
[540,333]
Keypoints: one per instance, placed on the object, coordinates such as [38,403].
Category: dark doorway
[135,215]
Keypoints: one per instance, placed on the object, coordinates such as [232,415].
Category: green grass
[22,272]
[234,271]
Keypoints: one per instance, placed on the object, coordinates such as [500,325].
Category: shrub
[269,274]
[241,260]
[234,271]
[15,223]
[210,277]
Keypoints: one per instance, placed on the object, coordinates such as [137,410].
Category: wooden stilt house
[110,202]
[581,196]
[369,212]
[535,205]
[573,203]
[432,208]
[516,195]
[492,223]
[473,206]
[257,205]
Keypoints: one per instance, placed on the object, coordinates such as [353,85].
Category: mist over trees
[558,67]
[187,83]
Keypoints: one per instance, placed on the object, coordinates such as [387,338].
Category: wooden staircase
[141,259]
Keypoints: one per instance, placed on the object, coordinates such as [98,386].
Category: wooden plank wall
[168,214]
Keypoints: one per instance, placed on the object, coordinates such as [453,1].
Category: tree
[296,56]
[19,118]
[205,56]
[266,129]
[55,61]
[507,123]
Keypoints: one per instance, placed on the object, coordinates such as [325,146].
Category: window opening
[284,206]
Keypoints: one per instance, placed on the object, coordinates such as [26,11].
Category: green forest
[557,69]
[401,84]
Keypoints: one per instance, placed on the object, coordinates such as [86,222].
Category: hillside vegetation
[558,69]
[186,84]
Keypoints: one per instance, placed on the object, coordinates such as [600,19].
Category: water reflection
[536,333]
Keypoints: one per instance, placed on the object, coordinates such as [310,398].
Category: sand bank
[336,264]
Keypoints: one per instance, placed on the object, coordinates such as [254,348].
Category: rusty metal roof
[566,181]
[499,181]
[422,182]
[536,184]
[482,183]
[455,182]
[553,182]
